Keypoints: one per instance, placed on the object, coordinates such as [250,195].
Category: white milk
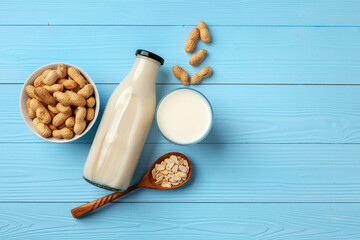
[184,116]
[124,127]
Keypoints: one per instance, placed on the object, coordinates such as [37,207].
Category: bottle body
[123,129]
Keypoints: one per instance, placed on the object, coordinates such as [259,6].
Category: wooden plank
[221,173]
[238,55]
[142,12]
[200,221]
[242,114]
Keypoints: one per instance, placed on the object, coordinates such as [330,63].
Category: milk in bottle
[124,126]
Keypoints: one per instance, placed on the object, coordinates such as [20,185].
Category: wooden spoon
[146,182]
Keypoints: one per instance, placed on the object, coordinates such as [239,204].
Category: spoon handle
[91,206]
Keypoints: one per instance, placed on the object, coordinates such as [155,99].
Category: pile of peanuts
[60,102]
[195,59]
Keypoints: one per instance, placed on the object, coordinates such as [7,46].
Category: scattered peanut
[54,75]
[45,96]
[41,112]
[193,37]
[54,88]
[41,128]
[65,133]
[181,74]
[205,72]
[76,75]
[61,95]
[80,122]
[204,32]
[90,112]
[197,57]
[31,112]
[86,91]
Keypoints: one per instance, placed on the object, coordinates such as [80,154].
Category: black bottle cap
[150,55]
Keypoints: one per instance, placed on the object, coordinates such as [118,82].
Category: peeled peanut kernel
[39,80]
[76,76]
[31,112]
[54,75]
[197,57]
[41,112]
[62,98]
[65,133]
[204,32]
[193,37]
[197,77]
[168,173]
[45,96]
[54,88]
[90,112]
[80,122]
[90,102]
[86,91]
[181,74]
[41,128]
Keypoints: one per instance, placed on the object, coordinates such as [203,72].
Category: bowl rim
[24,96]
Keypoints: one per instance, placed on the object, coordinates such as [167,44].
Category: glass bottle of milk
[124,126]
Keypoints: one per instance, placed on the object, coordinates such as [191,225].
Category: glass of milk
[184,116]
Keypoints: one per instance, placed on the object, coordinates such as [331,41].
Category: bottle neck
[144,71]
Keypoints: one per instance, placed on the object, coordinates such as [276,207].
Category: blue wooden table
[282,160]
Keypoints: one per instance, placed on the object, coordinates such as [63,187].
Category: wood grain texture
[262,53]
[238,55]
[47,172]
[191,221]
[242,114]
[142,12]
